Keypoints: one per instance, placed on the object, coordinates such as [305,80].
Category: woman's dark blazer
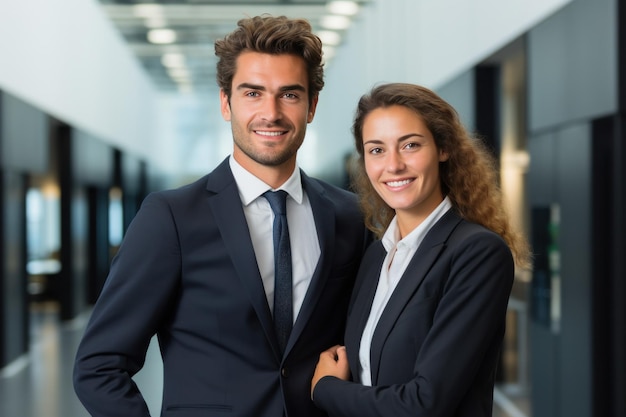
[435,349]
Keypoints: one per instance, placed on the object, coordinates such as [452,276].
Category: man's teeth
[398,183]
[263,133]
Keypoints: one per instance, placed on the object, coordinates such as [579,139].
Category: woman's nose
[395,162]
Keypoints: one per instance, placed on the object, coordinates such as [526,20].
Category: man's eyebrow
[293,87]
[250,86]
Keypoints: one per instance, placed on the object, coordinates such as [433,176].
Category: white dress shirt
[399,254]
[305,248]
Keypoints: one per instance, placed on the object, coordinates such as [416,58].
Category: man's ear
[312,107]
[225,105]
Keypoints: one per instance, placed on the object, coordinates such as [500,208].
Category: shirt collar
[250,187]
[391,238]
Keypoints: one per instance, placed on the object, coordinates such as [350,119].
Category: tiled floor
[40,383]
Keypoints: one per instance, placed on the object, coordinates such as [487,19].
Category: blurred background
[104,102]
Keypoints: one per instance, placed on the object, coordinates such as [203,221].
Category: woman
[427,317]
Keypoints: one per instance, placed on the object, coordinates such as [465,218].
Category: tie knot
[277,200]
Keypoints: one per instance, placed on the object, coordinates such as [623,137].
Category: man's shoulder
[186,188]
[218,178]
[336,201]
[179,196]
[324,186]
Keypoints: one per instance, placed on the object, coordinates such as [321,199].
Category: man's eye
[252,94]
[290,95]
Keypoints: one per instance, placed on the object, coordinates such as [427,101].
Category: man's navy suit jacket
[435,349]
[187,272]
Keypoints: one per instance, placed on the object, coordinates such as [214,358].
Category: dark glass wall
[573,113]
[57,185]
[576,188]
[23,149]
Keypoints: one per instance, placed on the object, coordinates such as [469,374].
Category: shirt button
[284,372]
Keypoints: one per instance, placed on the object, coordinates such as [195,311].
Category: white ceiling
[197,24]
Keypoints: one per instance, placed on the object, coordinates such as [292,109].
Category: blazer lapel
[324,216]
[231,221]
[418,267]
[362,300]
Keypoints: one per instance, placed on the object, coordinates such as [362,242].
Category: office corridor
[40,384]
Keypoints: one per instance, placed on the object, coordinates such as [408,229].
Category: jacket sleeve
[466,332]
[136,296]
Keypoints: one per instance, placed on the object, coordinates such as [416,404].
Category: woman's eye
[375,151]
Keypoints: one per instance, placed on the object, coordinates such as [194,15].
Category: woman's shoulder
[467,232]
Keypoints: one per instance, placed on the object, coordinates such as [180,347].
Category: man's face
[268,109]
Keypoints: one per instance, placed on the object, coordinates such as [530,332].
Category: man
[197,267]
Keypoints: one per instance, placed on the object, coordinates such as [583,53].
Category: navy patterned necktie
[283,309]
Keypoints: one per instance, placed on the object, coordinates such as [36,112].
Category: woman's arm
[332,362]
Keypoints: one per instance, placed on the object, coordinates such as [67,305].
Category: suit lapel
[425,257]
[363,298]
[324,216]
[226,206]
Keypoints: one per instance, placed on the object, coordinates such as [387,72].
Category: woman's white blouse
[399,254]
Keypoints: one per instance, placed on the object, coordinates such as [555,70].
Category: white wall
[65,57]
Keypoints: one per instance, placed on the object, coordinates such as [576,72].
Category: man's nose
[271,110]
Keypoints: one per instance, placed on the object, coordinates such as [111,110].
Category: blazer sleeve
[136,296]
[466,332]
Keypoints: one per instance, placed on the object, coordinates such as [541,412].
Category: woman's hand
[332,362]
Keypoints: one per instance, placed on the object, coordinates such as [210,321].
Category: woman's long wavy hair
[469,177]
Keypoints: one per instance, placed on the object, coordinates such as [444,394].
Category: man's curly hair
[271,35]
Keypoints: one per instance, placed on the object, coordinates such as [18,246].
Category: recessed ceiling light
[148,10]
[346,8]
[329,37]
[161,36]
[155,22]
[179,73]
[173,60]
[335,22]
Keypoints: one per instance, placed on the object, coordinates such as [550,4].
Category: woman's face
[402,162]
